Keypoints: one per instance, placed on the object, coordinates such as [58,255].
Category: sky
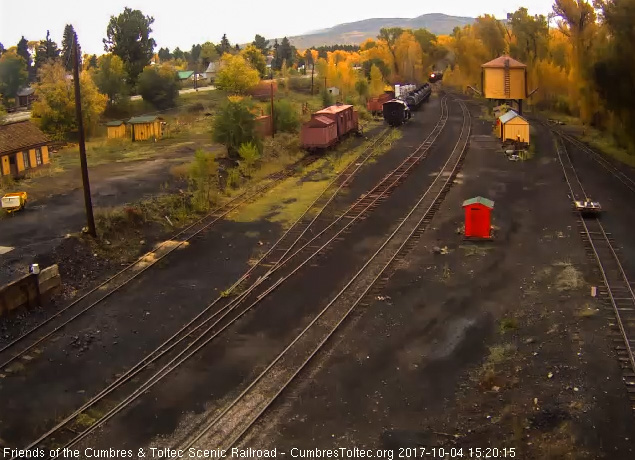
[183,23]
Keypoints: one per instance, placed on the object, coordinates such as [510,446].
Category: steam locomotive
[408,97]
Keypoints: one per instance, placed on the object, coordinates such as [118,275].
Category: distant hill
[354,33]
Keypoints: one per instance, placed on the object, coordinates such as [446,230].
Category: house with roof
[513,127]
[116,129]
[24,98]
[184,75]
[147,127]
[22,147]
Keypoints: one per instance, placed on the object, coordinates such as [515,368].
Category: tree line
[582,67]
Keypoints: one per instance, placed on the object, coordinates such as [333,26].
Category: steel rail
[215,215]
[602,262]
[184,355]
[236,434]
[340,181]
[598,158]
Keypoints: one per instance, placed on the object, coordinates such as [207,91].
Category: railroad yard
[370,322]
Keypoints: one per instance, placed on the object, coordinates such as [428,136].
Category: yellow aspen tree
[376,81]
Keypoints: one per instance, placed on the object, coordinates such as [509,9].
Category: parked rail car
[375,104]
[328,126]
[396,112]
[417,97]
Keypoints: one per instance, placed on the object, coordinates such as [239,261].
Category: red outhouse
[478,217]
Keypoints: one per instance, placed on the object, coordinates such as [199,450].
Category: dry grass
[569,277]
[507,324]
[475,249]
[498,354]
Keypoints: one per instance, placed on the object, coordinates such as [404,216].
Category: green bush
[235,125]
[203,179]
[233,178]
[327,98]
[159,86]
[286,118]
[249,154]
[300,84]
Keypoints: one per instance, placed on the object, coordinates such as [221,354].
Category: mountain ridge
[354,33]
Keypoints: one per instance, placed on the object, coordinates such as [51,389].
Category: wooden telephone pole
[90,219]
[273,126]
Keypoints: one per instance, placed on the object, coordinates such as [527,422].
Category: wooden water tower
[504,79]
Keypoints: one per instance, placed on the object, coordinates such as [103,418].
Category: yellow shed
[22,147]
[146,127]
[512,126]
[116,129]
[504,78]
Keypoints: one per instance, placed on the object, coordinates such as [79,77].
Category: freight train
[409,97]
[328,126]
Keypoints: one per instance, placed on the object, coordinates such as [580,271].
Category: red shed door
[478,224]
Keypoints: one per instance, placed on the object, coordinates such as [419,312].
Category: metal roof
[144,119]
[509,116]
[115,123]
[26,91]
[320,120]
[335,109]
[480,200]
[499,62]
[185,74]
[20,135]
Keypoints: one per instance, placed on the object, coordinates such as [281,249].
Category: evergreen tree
[224,46]
[285,52]
[46,50]
[92,62]
[177,53]
[23,52]
[68,40]
[195,53]
[261,43]
[275,64]
[128,36]
[164,54]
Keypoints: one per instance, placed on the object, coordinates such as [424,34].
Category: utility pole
[312,72]
[90,219]
[273,126]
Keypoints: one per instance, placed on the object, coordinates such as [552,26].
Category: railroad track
[236,418]
[35,336]
[617,292]
[197,332]
[598,158]
[124,276]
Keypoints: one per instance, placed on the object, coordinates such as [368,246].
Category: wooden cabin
[116,129]
[24,98]
[513,127]
[22,147]
[148,127]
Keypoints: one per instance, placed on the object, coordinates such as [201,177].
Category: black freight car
[396,112]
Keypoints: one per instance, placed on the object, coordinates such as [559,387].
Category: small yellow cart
[12,202]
